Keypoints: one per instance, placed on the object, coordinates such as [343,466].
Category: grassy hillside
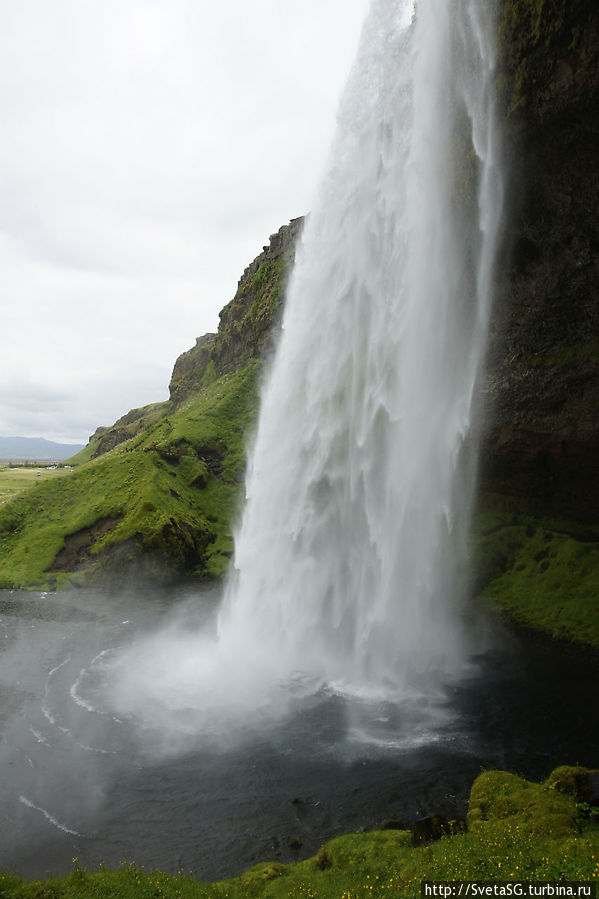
[159,504]
[516,831]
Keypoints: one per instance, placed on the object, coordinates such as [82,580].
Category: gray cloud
[150,148]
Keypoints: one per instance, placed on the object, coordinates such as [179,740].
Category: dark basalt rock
[541,392]
[75,553]
[587,787]
[188,366]
[391,824]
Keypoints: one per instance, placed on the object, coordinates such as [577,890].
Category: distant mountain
[36,448]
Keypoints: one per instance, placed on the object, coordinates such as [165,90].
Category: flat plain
[19,478]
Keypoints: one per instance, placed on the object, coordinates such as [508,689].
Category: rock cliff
[542,414]
[537,531]
[247,324]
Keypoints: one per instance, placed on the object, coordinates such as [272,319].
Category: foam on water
[48,816]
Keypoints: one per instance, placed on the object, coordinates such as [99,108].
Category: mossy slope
[129,425]
[517,831]
[160,505]
[542,571]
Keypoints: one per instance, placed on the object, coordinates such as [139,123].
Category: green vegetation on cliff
[155,495]
[542,572]
[159,505]
[537,531]
[516,830]
[129,425]
[248,324]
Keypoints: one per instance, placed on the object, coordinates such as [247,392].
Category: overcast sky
[149,149]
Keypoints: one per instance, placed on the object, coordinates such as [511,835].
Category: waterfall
[349,555]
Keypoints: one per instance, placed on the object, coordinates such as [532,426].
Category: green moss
[543,573]
[566,779]
[128,426]
[267,288]
[517,831]
[173,502]
[497,796]
[209,375]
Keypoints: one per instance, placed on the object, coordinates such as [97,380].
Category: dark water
[77,781]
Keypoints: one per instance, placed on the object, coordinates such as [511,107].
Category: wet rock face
[542,389]
[548,54]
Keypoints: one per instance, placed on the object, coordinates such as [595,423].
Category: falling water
[348,556]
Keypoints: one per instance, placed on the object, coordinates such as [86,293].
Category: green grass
[246,322]
[267,285]
[86,454]
[170,507]
[543,573]
[517,830]
[14,481]
[130,425]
